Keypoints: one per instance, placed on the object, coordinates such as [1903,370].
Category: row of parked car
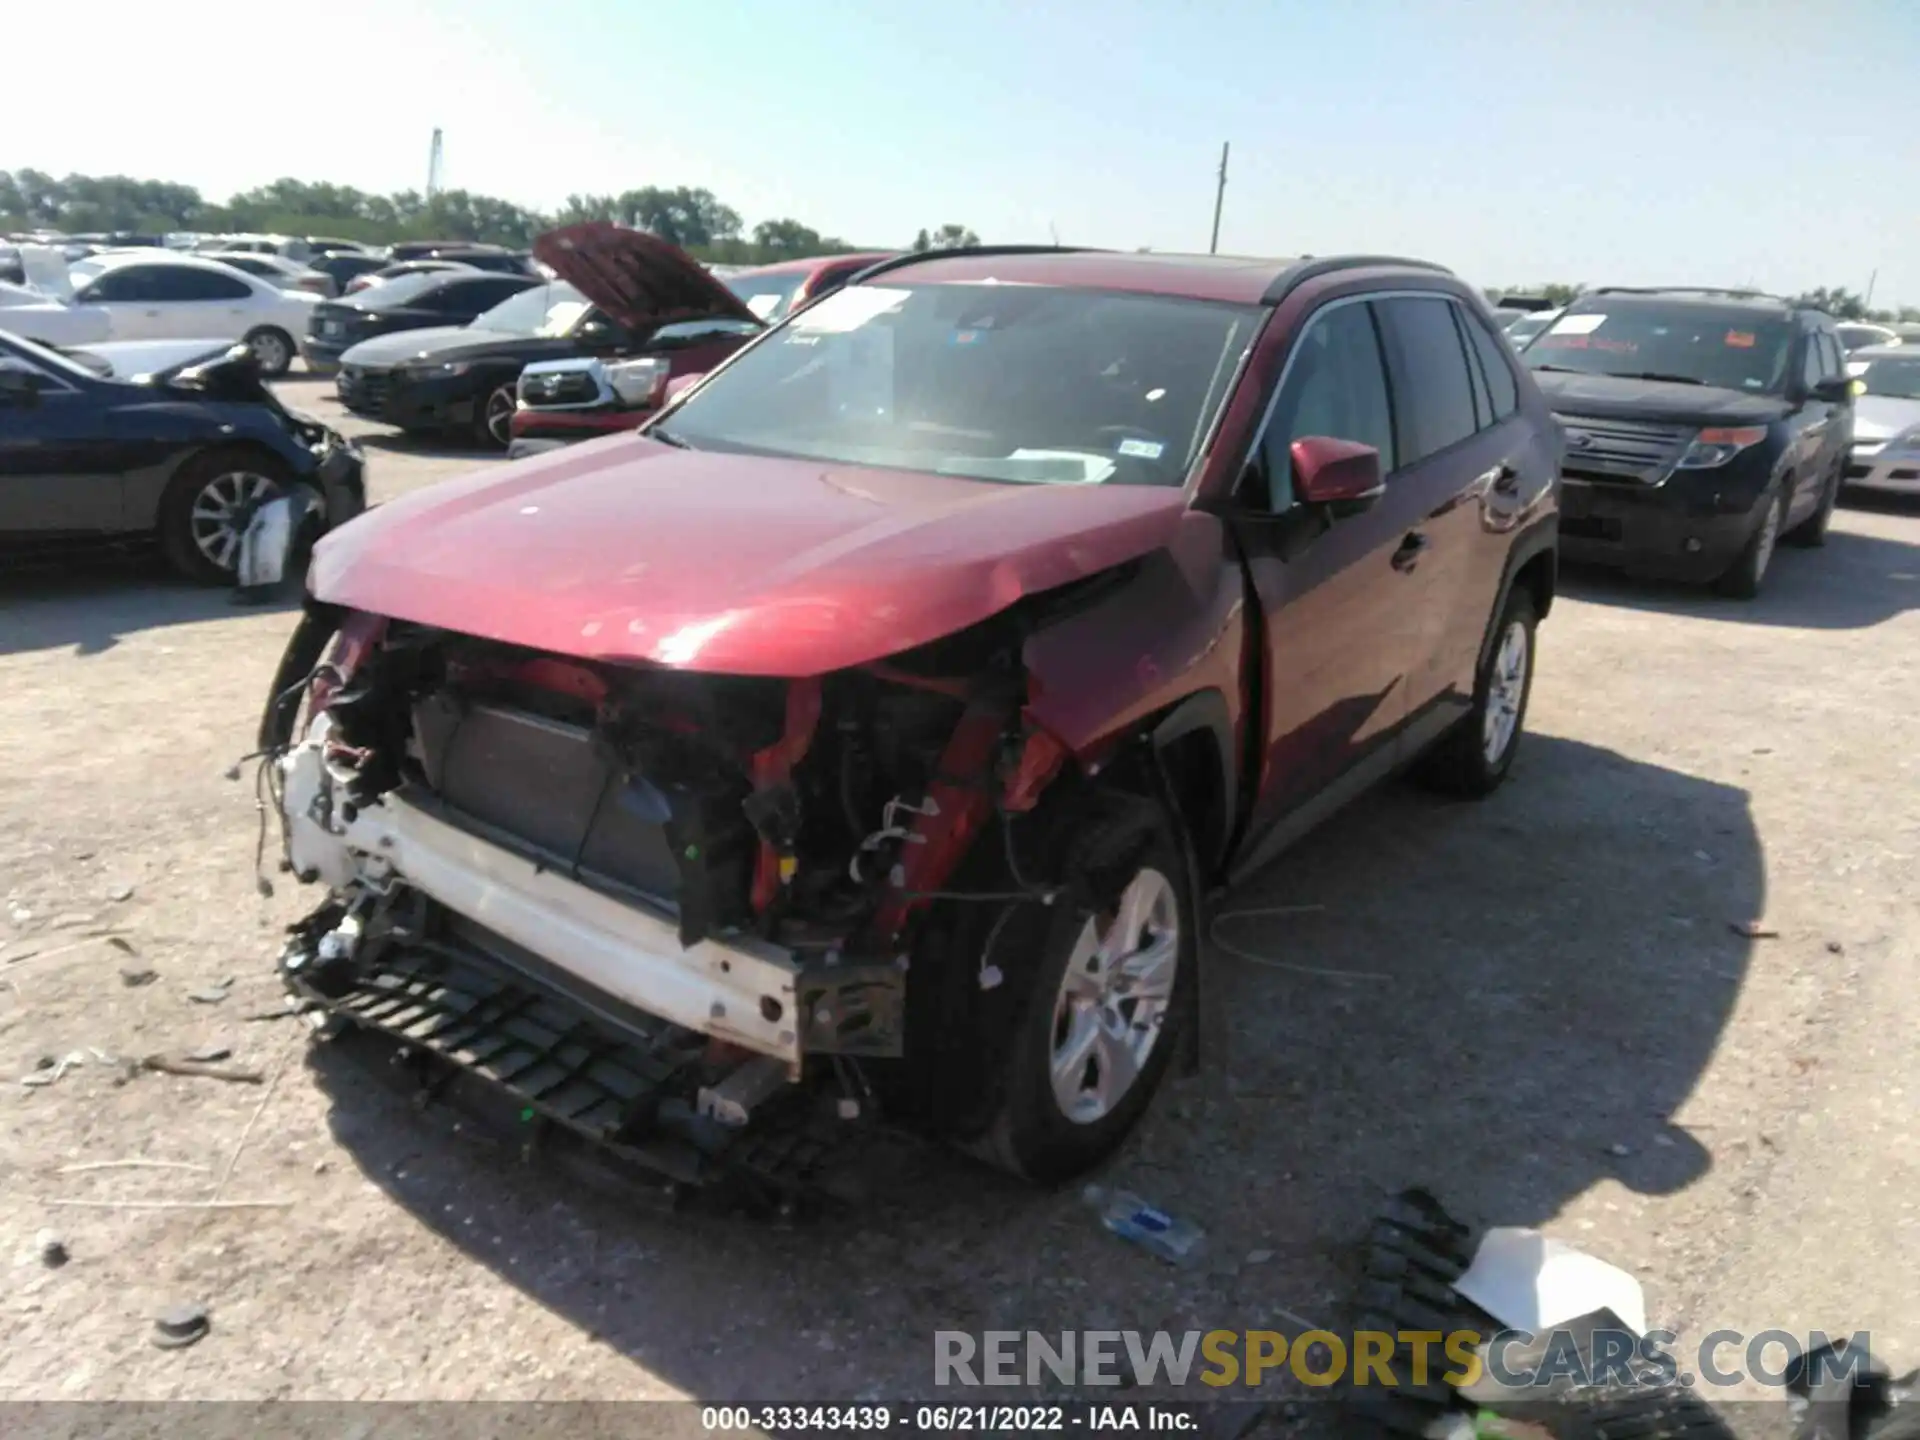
[256,289]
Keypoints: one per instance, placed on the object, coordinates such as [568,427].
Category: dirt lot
[1544,1015]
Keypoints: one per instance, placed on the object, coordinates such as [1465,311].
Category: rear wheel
[1473,758]
[207,508]
[272,351]
[1744,577]
[1108,995]
[493,420]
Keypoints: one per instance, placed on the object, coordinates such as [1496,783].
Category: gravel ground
[1544,1015]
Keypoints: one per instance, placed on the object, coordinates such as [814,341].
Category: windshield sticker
[850,308]
[1142,449]
[1740,339]
[1577,324]
[965,337]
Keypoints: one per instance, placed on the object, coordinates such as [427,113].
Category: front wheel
[1743,578]
[1111,989]
[1473,758]
[207,508]
[493,421]
[1811,533]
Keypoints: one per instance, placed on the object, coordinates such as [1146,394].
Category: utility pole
[1219,198]
[433,165]
[1872,280]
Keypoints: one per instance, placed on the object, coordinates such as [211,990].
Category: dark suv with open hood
[1702,426]
[621,293]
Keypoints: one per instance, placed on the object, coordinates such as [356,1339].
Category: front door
[58,471]
[1334,589]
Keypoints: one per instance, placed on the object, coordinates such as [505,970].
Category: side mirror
[1836,391]
[1333,472]
[20,387]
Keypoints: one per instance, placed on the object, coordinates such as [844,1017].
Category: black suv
[1702,426]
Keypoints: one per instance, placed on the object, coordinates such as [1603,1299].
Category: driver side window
[1335,385]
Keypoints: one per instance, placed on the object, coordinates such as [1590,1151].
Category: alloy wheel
[1114,999]
[1506,691]
[270,352]
[222,510]
[499,416]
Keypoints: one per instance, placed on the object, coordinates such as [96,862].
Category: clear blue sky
[1774,141]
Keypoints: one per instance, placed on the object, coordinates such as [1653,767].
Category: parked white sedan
[157,295]
[35,316]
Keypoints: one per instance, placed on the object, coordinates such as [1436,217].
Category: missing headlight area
[671,912]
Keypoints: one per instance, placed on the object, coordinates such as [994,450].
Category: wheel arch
[151,504]
[1533,562]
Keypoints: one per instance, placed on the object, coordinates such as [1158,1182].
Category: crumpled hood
[1878,417]
[1612,398]
[639,279]
[626,549]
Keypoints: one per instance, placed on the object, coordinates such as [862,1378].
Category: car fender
[184,436]
[1159,652]
[1537,539]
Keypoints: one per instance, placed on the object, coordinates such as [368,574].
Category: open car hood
[625,549]
[637,278]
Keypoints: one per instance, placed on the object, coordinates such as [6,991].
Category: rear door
[196,304]
[1338,623]
[130,296]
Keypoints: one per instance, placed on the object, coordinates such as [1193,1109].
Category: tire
[273,350]
[1472,759]
[1743,579]
[205,509]
[1811,533]
[492,418]
[1047,1129]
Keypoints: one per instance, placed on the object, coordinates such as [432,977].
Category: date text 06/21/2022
[1084,1419]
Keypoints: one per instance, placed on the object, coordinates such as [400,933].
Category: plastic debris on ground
[1179,1242]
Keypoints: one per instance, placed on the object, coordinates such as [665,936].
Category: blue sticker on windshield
[1142,449]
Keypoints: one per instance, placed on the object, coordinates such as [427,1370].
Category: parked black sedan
[184,455]
[411,302]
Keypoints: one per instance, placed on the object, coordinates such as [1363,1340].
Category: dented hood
[637,278]
[626,549]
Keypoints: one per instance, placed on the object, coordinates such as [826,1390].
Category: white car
[1886,419]
[35,316]
[158,295]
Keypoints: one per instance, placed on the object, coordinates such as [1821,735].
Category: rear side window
[1502,391]
[1335,385]
[1432,386]
[183,282]
[1830,355]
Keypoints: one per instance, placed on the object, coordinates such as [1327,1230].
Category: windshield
[1021,383]
[1522,330]
[1857,337]
[400,290]
[43,356]
[767,296]
[1898,378]
[1730,347]
[541,310]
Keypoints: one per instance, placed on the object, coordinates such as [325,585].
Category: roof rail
[1722,292]
[914,257]
[1309,268]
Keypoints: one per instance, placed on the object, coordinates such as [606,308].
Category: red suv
[866,735]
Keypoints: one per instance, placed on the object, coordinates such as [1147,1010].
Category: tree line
[1837,301]
[690,217]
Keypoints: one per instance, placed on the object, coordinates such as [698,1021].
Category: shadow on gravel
[86,603]
[1854,582]
[1531,987]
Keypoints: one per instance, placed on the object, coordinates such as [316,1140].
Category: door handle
[1506,481]
[1408,555]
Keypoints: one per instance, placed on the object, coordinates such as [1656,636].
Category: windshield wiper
[667,437]
[1561,369]
[1656,375]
